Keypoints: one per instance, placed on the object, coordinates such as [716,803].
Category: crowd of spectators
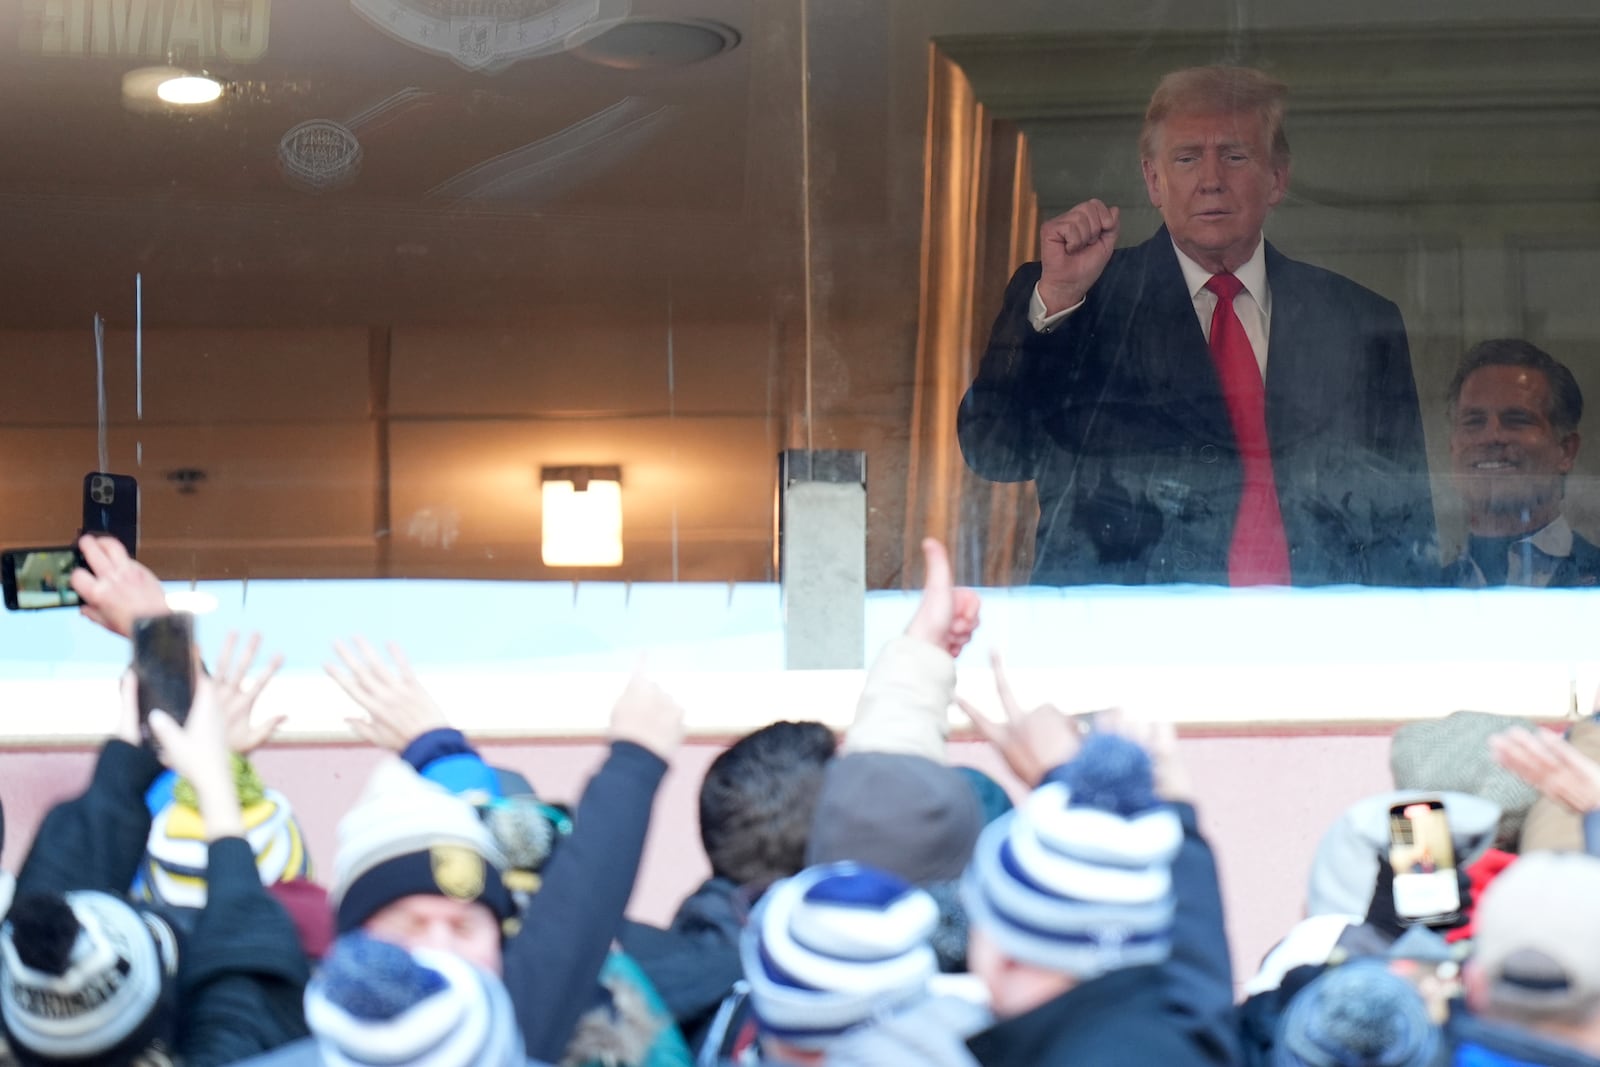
[869,903]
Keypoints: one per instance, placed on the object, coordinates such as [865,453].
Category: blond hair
[1219,90]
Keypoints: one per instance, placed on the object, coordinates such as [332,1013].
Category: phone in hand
[37,578]
[111,506]
[1422,855]
[163,666]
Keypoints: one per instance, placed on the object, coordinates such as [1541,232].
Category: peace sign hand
[1033,742]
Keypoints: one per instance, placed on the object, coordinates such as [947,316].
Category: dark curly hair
[757,799]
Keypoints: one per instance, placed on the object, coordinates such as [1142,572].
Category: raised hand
[236,694]
[198,750]
[1033,742]
[1552,765]
[645,715]
[398,709]
[115,588]
[1074,249]
[946,617]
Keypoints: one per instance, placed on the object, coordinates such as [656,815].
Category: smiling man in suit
[1514,412]
[1199,407]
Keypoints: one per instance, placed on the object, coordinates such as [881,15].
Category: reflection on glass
[1199,407]
[1514,412]
[491,35]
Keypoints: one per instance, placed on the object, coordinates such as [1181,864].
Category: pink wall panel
[1265,801]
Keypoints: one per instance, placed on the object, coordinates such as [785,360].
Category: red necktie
[1259,554]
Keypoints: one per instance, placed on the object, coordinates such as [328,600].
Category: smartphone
[163,666]
[111,506]
[1423,857]
[38,578]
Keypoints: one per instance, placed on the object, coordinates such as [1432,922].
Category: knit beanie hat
[1452,755]
[85,978]
[900,813]
[1078,879]
[177,852]
[833,947]
[1357,1015]
[376,1003]
[408,836]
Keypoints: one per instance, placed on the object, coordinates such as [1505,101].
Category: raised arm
[403,718]
[1001,420]
[904,706]
[97,840]
[243,973]
[553,964]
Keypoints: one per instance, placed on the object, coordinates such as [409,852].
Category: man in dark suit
[1514,412]
[1199,407]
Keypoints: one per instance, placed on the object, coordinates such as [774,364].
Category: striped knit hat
[1078,880]
[376,1003]
[177,852]
[86,978]
[833,947]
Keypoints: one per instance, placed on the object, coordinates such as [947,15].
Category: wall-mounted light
[582,525]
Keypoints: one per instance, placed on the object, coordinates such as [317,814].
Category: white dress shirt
[1533,559]
[1253,305]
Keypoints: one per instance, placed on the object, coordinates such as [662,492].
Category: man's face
[985,962]
[1213,179]
[458,927]
[1507,459]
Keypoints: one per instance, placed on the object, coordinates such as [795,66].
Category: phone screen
[37,578]
[1424,861]
[163,664]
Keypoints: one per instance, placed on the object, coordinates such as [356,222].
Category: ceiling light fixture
[581,525]
[189,90]
[658,43]
[160,89]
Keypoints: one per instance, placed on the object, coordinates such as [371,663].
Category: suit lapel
[1297,397]
[1177,363]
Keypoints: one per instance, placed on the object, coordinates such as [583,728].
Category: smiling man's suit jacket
[1118,417]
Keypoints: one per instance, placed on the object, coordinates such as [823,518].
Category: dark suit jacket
[1581,569]
[1118,416]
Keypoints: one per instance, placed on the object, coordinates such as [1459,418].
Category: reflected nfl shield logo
[474,41]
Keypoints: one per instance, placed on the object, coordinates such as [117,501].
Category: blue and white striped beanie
[376,1003]
[836,946]
[1078,879]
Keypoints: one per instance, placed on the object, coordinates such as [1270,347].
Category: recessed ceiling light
[189,89]
[162,88]
[654,44]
